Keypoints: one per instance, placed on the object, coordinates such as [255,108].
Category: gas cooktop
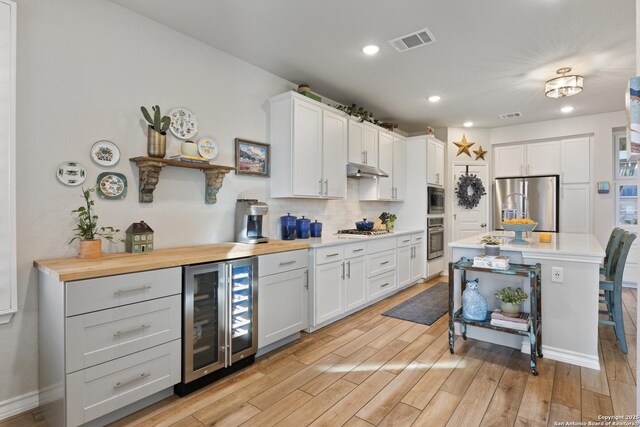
[364,233]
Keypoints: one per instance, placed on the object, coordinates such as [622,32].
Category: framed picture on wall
[252,158]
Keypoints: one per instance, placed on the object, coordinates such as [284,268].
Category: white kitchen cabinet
[107,342]
[575,161]
[532,159]
[392,160]
[509,160]
[435,162]
[363,143]
[575,214]
[355,283]
[309,143]
[543,158]
[399,167]
[410,259]
[404,265]
[385,163]
[417,262]
[328,291]
[282,306]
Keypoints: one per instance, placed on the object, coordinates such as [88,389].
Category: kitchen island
[569,304]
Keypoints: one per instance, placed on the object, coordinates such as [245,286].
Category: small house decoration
[139,238]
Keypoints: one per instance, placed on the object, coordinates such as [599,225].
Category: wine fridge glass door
[243,309]
[203,320]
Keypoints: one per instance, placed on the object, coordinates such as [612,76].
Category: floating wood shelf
[150,174]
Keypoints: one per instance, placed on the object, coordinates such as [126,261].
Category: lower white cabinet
[328,295]
[347,277]
[283,285]
[355,283]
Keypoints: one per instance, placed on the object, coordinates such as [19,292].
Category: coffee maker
[249,215]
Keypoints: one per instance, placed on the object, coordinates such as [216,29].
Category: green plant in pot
[87,230]
[491,245]
[510,299]
[156,132]
[390,220]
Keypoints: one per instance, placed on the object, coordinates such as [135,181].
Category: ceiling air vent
[411,41]
[510,115]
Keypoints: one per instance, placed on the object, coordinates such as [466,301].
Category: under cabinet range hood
[357,170]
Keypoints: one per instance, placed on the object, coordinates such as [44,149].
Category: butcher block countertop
[68,269]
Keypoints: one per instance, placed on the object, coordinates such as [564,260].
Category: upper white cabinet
[309,143]
[435,162]
[575,211]
[575,161]
[363,143]
[8,284]
[539,158]
[392,160]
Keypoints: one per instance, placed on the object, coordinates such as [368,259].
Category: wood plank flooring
[369,370]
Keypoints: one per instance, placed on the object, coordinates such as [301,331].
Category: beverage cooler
[219,320]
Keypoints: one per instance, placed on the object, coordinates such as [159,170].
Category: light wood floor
[373,370]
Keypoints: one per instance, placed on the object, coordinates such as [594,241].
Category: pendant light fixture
[565,85]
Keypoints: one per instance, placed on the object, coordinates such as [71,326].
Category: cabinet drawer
[417,238]
[84,296]
[96,391]
[381,263]
[381,285]
[281,262]
[380,245]
[403,241]
[105,335]
[330,254]
[354,250]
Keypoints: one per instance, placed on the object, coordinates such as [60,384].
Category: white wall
[601,127]
[84,70]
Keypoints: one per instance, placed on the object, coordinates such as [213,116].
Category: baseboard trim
[566,356]
[19,404]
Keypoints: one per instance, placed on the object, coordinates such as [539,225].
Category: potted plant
[156,132]
[491,245]
[87,229]
[510,299]
[390,220]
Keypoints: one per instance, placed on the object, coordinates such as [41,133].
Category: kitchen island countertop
[68,269]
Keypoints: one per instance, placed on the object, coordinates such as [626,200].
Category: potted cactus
[157,132]
[87,229]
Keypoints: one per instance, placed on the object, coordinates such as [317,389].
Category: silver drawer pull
[383,263]
[129,290]
[130,330]
[132,380]
[386,284]
[406,241]
[335,254]
[418,238]
[287,263]
[358,250]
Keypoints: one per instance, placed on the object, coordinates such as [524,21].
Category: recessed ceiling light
[467,124]
[371,49]
[567,109]
[434,98]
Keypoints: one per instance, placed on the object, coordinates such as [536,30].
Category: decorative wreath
[469,191]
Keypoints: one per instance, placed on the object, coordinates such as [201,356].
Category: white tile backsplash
[333,214]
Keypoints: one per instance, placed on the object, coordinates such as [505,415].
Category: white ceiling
[491,56]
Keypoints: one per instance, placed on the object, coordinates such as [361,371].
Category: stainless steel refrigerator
[219,319]
[534,196]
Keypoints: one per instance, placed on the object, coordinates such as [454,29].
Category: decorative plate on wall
[184,124]
[71,173]
[111,185]
[105,153]
[208,147]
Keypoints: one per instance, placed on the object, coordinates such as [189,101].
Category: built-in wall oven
[219,320]
[435,200]
[435,238]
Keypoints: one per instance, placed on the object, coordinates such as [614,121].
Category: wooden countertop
[68,269]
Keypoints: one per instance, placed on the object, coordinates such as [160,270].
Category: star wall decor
[463,146]
[480,153]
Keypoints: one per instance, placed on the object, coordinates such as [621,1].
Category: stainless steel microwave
[435,199]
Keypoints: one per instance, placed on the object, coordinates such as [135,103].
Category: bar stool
[612,287]
[612,245]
